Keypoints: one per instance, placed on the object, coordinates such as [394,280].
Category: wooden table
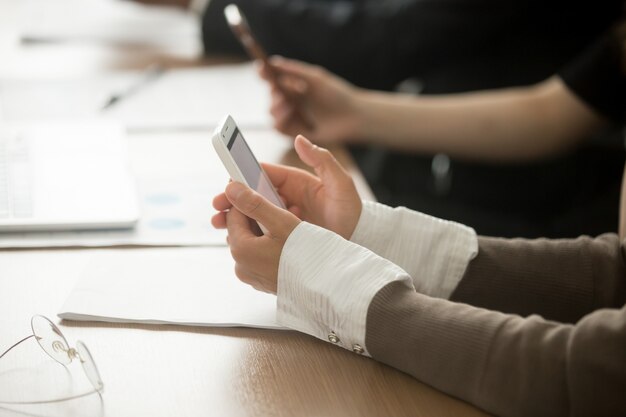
[170,370]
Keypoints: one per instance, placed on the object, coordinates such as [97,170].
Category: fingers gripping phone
[241,163]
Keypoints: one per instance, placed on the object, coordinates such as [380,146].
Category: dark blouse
[598,77]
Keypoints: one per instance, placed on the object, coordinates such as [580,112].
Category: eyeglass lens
[89,365]
[50,339]
[54,344]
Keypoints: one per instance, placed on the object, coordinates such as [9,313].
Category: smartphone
[239,25]
[241,163]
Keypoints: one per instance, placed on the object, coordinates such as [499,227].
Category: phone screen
[250,168]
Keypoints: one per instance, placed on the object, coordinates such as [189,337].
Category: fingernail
[307,142]
[275,59]
[234,190]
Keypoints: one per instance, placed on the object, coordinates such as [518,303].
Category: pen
[150,74]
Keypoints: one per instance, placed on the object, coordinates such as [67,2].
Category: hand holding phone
[328,199]
[241,163]
[239,25]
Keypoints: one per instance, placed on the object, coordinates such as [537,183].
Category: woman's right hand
[329,200]
[308,100]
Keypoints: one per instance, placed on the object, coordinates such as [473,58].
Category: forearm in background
[499,126]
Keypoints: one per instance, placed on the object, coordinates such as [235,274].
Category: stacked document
[190,286]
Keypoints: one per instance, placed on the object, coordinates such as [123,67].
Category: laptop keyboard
[15,177]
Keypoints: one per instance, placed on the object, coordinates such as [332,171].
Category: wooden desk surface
[170,370]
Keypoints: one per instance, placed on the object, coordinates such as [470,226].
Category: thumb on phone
[277,221]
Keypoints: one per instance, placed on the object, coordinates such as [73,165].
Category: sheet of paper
[186,286]
[111,21]
[187,99]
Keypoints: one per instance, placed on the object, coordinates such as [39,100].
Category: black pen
[150,74]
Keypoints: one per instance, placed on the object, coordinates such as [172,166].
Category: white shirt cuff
[433,251]
[326,284]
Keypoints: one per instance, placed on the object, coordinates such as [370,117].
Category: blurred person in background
[452,46]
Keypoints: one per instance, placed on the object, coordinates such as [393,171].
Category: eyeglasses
[52,341]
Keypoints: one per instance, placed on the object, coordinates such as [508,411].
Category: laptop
[62,177]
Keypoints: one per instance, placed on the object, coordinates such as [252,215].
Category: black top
[453,46]
[450,45]
[598,77]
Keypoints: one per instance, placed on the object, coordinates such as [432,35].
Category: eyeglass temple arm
[9,349]
[56,400]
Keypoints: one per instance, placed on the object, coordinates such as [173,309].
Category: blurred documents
[111,21]
[177,99]
[177,177]
[149,286]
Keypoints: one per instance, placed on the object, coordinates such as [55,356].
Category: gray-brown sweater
[534,328]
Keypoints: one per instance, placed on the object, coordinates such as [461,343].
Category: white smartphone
[241,163]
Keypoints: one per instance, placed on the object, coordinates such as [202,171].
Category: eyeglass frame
[72,353]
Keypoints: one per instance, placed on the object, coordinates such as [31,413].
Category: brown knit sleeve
[505,364]
[561,280]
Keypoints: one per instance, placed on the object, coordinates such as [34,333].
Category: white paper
[198,98]
[178,99]
[190,286]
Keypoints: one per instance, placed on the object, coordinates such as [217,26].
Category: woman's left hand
[256,257]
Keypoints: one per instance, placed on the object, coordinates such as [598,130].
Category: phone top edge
[232,14]
[224,154]
[226,128]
